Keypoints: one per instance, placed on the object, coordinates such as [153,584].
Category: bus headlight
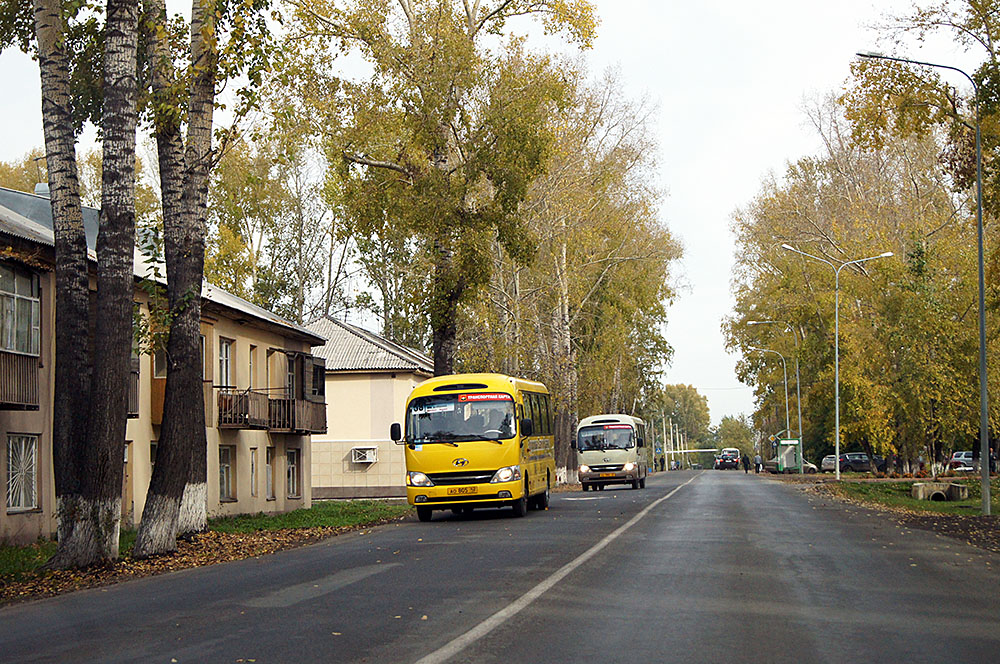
[414,478]
[584,469]
[629,467]
[506,474]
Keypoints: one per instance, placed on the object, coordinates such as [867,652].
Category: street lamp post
[798,391]
[984,432]
[836,339]
[784,370]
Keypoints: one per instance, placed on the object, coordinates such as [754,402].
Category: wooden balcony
[287,415]
[18,381]
[242,409]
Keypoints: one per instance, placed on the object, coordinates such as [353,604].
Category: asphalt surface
[710,566]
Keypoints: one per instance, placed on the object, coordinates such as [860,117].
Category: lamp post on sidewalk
[984,423]
[784,370]
[836,338]
[798,391]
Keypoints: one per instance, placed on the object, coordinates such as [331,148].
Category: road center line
[460,643]
[302,592]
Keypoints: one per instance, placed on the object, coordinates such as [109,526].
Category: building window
[226,459]
[225,362]
[20,311]
[290,376]
[318,380]
[160,363]
[269,473]
[292,472]
[204,366]
[253,366]
[21,487]
[253,471]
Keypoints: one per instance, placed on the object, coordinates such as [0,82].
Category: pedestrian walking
[757,463]
[746,463]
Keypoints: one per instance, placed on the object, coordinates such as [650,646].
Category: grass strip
[897,494]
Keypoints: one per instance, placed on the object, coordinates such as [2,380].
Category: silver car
[828,464]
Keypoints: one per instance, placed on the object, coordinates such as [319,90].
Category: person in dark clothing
[746,463]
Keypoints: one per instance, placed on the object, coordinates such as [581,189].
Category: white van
[611,449]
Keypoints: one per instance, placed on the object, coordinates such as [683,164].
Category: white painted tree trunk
[193,517]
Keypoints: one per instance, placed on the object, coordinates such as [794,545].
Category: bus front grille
[461,477]
[607,468]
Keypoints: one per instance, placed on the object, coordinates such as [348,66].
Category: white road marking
[317,588]
[460,643]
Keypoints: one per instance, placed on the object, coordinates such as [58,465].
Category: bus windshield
[606,437]
[450,418]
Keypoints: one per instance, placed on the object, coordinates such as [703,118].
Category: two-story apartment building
[264,391]
[368,379]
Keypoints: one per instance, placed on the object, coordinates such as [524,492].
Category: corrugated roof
[352,348]
[29,217]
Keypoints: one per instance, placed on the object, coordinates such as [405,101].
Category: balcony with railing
[288,415]
[242,409]
[18,381]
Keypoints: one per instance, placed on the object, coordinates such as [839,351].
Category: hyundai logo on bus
[460,462]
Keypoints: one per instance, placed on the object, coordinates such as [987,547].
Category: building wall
[24,527]
[360,407]
[142,432]
[268,373]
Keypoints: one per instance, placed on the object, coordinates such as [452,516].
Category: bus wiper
[431,441]
[479,436]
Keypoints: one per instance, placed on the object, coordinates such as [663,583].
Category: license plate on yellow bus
[606,475]
[463,490]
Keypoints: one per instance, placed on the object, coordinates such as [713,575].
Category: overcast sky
[731,78]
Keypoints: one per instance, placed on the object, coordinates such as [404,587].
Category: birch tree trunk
[77,542]
[89,426]
[566,404]
[115,277]
[177,492]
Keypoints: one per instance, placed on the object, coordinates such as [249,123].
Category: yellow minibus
[477,440]
[611,449]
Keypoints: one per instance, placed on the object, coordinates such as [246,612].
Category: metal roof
[29,217]
[351,348]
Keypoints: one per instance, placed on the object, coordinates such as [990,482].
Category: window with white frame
[253,471]
[253,367]
[227,456]
[225,362]
[22,491]
[269,473]
[292,472]
[20,311]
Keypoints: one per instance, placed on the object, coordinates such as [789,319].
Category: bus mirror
[395,432]
[527,428]
[642,443]
[572,444]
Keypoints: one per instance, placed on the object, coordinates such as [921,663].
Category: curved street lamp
[984,423]
[836,338]
[785,372]
[795,335]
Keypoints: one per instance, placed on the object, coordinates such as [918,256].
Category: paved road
[713,566]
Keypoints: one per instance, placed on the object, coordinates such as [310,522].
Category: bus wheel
[521,504]
[642,483]
[542,499]
[635,484]
[424,513]
[584,485]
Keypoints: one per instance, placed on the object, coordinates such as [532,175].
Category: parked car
[961,461]
[771,466]
[829,463]
[858,462]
